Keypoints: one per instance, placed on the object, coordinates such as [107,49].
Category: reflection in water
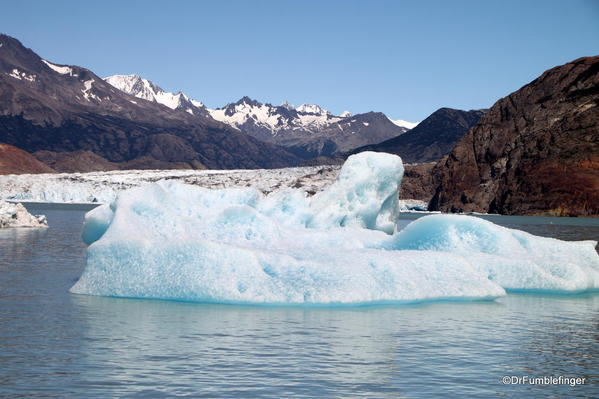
[53,343]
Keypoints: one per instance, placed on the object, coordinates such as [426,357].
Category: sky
[403,58]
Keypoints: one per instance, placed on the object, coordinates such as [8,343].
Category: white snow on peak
[312,109]
[264,114]
[309,117]
[143,88]
[345,114]
[198,104]
[402,123]
[63,70]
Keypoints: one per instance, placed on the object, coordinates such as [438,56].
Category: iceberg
[169,240]
[15,215]
[514,259]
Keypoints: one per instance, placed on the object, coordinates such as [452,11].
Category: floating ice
[15,215]
[514,259]
[173,241]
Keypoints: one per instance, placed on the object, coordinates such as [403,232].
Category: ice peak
[312,109]
[345,114]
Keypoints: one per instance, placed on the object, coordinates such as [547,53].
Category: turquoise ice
[168,240]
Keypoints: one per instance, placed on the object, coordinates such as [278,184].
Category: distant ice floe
[174,241]
[15,215]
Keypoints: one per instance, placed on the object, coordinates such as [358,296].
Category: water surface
[56,344]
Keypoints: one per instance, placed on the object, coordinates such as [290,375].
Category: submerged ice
[174,241]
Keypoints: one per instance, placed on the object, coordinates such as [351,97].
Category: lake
[56,344]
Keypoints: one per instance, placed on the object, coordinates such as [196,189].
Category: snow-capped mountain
[143,88]
[268,120]
[307,130]
[72,118]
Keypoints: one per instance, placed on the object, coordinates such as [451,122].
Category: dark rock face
[432,138]
[418,182]
[535,152]
[48,107]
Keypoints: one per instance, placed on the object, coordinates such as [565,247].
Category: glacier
[169,240]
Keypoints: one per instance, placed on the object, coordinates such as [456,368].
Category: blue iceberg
[168,240]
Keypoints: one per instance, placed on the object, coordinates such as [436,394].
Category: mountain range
[307,131]
[534,151]
[62,109]
[73,120]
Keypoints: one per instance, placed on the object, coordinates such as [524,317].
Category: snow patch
[63,70]
[402,123]
[87,94]
[15,73]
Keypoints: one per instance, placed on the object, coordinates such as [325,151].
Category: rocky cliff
[536,151]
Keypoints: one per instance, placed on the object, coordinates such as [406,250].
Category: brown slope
[535,152]
[16,161]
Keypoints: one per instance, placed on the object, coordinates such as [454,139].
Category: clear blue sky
[404,58]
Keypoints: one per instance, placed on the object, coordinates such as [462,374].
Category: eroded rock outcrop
[535,152]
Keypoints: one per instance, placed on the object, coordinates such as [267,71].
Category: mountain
[143,88]
[432,138]
[308,130]
[535,151]
[64,108]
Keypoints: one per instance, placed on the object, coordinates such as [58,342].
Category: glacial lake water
[56,344]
